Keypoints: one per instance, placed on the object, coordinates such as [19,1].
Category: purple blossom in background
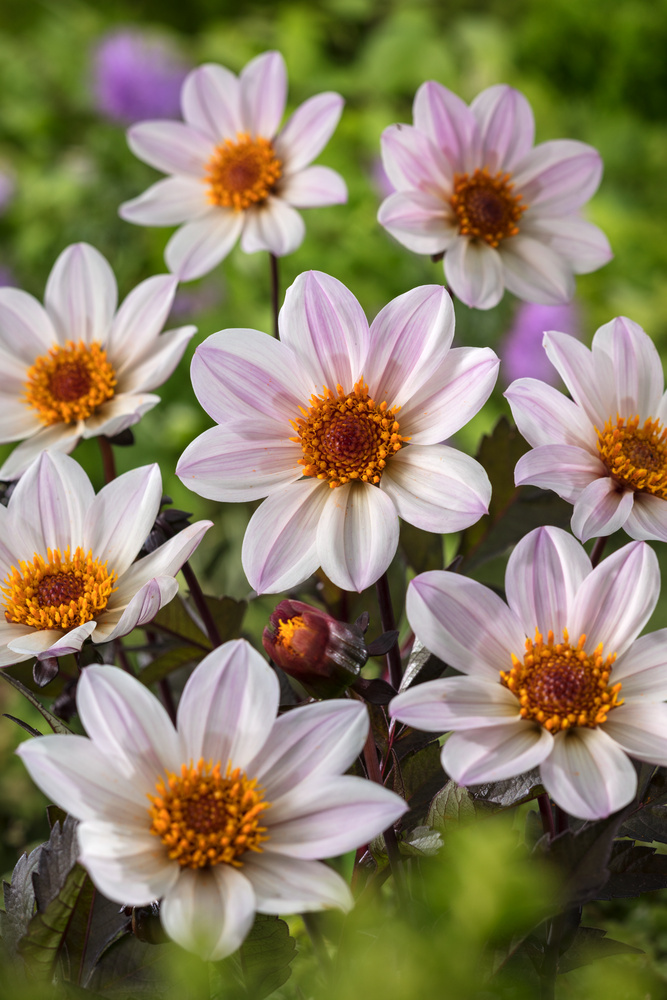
[521,352]
[136,76]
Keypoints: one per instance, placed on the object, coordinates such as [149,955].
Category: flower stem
[598,549]
[167,699]
[275,292]
[108,460]
[388,624]
[122,658]
[197,596]
[547,815]
[391,842]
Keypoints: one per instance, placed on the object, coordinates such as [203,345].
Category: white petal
[412,161]
[168,202]
[81,295]
[166,560]
[419,220]
[643,668]
[142,609]
[158,362]
[563,468]
[125,865]
[587,774]
[617,598]
[495,753]
[280,548]
[263,94]
[140,319]
[209,911]
[291,885]
[308,130]
[558,176]
[127,722]
[506,124]
[357,535]
[211,102]
[583,245]
[544,573]
[273,226]
[648,518]
[437,488]
[119,413]
[545,416]
[535,272]
[324,818]
[641,730]
[170,146]
[43,643]
[636,365]
[320,739]
[464,623]
[59,437]
[475,272]
[13,371]
[122,515]
[228,706]
[313,187]
[451,396]
[601,509]
[456,703]
[223,466]
[450,124]
[409,339]
[589,378]
[322,322]
[26,330]
[82,780]
[197,247]
[50,504]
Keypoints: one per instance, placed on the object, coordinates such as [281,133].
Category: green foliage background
[594,72]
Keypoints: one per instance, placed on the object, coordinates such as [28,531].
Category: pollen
[69,383]
[60,592]
[206,818]
[347,436]
[636,456]
[242,172]
[561,686]
[486,206]
[286,630]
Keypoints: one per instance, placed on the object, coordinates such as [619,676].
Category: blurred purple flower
[521,352]
[136,76]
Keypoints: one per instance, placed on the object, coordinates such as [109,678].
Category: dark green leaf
[19,898]
[589,945]
[647,819]
[44,939]
[56,724]
[422,551]
[131,969]
[634,870]
[510,792]
[455,806]
[96,923]
[583,857]
[175,619]
[228,615]
[415,770]
[421,666]
[169,661]
[56,861]
[265,956]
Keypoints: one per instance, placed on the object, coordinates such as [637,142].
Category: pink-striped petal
[496,752]
[141,610]
[589,379]
[166,560]
[545,416]
[357,535]
[144,310]
[273,226]
[475,272]
[167,203]
[449,123]
[156,362]
[601,509]
[648,518]
[456,703]
[583,245]
[44,643]
[563,468]
[587,774]
[263,84]
[58,437]
[81,295]
[641,730]
[292,885]
[636,366]
[211,102]
[51,502]
[558,177]
[121,516]
[128,865]
[642,670]
[172,147]
[419,220]
[26,330]
[412,161]
[506,125]
[308,130]
[197,247]
[313,187]
[535,272]
[121,411]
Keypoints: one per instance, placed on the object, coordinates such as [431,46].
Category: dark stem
[562,820]
[598,549]
[275,292]
[547,815]
[312,924]
[122,658]
[197,596]
[391,842]
[388,623]
[167,699]
[108,460]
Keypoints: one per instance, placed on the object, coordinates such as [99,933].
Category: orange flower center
[486,206]
[242,172]
[57,592]
[69,383]
[347,436]
[205,817]
[561,686]
[286,630]
[635,456]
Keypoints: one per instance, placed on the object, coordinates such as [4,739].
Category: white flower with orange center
[339,426]
[470,185]
[224,816]
[555,678]
[234,173]
[604,450]
[67,558]
[75,367]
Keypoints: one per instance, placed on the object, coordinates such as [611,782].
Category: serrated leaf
[422,666]
[228,615]
[56,861]
[19,899]
[416,770]
[589,945]
[421,551]
[422,842]
[170,660]
[647,818]
[56,724]
[95,924]
[511,791]
[131,969]
[583,857]
[175,619]
[44,939]
[454,806]
[266,955]
[634,869]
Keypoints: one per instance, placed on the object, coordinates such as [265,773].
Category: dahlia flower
[67,567]
[223,816]
[339,427]
[136,74]
[558,679]
[604,450]
[232,173]
[75,367]
[470,185]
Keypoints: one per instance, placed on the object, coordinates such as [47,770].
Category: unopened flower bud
[323,654]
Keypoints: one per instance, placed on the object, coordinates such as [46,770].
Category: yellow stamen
[205,818]
[57,592]
[636,456]
[486,206]
[286,629]
[347,436]
[242,172]
[69,383]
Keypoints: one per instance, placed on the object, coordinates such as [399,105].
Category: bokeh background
[74,74]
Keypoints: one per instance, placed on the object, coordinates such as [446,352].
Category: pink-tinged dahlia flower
[339,427]
[75,367]
[233,174]
[222,817]
[469,184]
[604,450]
[67,567]
[557,679]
